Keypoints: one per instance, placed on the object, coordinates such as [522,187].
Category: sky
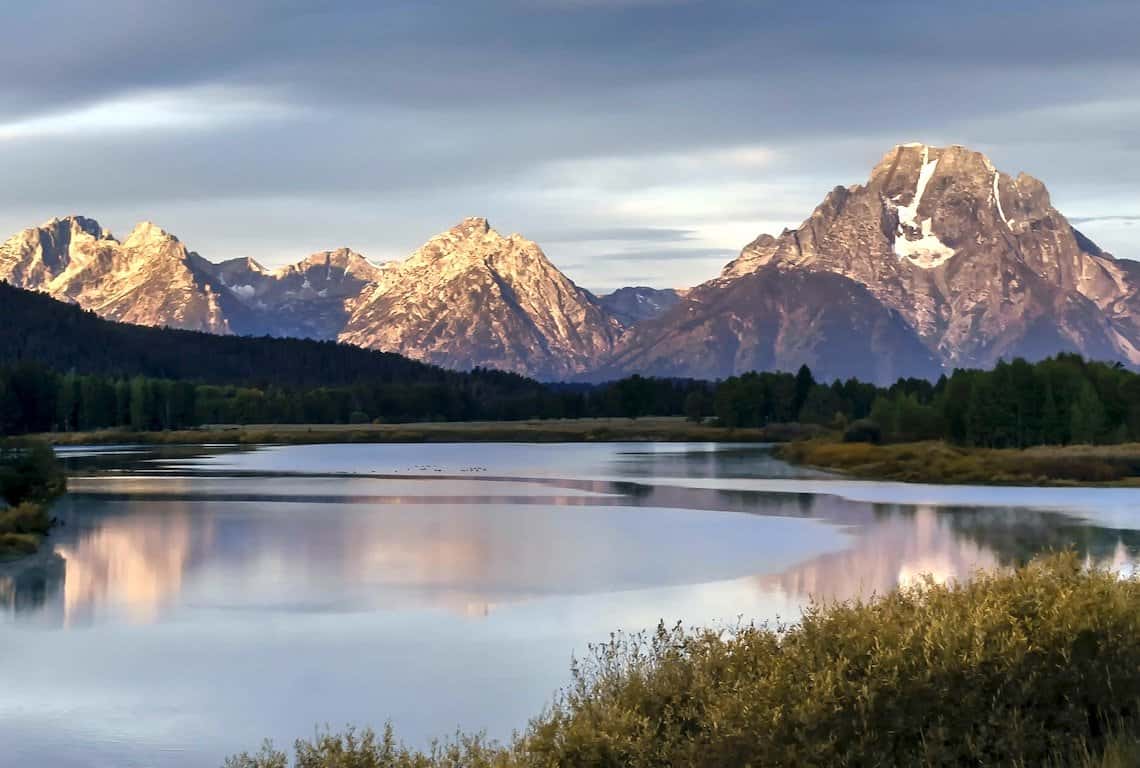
[638,141]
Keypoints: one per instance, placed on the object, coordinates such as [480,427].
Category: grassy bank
[938,462]
[667,429]
[30,479]
[1029,668]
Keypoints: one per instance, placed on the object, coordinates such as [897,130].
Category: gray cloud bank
[272,127]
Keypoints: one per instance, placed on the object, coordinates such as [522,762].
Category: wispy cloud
[669,254]
[146,111]
[1123,218]
[617,234]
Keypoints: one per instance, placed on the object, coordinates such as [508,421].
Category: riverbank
[22,529]
[30,479]
[661,429]
[941,463]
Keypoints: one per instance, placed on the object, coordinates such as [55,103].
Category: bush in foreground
[30,478]
[30,472]
[1040,666]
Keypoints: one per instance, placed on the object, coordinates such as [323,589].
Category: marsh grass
[939,462]
[1034,667]
[667,429]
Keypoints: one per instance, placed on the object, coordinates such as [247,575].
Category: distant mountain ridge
[939,260]
[149,278]
[469,297]
[635,304]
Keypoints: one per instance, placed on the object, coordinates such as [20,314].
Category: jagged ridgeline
[939,260]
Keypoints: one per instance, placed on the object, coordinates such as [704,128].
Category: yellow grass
[938,462]
[669,429]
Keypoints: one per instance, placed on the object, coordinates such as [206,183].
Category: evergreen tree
[1087,416]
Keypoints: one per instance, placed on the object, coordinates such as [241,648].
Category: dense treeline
[65,369]
[34,398]
[62,368]
[1057,401]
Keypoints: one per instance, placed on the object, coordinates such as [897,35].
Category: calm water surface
[198,600]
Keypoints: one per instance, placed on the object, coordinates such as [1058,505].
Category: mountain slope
[774,319]
[64,337]
[472,297]
[147,278]
[303,300]
[979,263]
[634,304]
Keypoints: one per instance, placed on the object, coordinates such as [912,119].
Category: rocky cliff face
[773,319]
[977,262]
[472,297]
[307,299]
[149,278]
[637,303]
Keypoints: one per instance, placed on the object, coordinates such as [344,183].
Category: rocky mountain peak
[472,297]
[147,232]
[973,259]
[74,224]
[335,265]
[472,226]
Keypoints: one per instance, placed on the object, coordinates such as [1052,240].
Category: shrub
[26,518]
[18,544]
[1033,667]
[863,431]
[30,472]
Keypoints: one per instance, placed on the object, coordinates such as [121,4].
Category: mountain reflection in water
[196,600]
[132,546]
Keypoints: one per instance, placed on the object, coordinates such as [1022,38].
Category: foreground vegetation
[30,479]
[940,462]
[1040,666]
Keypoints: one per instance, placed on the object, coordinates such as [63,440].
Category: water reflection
[905,545]
[128,559]
[134,546]
[196,601]
[131,563]
[31,585]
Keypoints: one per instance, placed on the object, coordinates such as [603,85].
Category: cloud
[618,234]
[132,113]
[272,127]
[672,254]
[1123,218]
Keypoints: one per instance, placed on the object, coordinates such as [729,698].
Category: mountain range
[938,261]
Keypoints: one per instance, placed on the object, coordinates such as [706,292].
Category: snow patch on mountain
[925,250]
[997,201]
